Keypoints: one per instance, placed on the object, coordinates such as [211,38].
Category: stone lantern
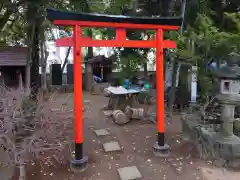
[226,143]
[222,143]
[229,96]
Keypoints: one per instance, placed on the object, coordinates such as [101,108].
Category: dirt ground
[136,139]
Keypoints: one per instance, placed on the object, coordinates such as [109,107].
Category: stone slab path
[129,173]
[111,146]
[101,132]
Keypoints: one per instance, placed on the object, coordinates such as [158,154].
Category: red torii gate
[79,20]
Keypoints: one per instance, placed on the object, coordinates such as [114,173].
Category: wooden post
[80,163]
[160,148]
[77,33]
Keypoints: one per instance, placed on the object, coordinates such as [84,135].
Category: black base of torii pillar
[79,164]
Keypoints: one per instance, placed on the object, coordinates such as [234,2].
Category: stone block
[101,132]
[129,173]
[111,146]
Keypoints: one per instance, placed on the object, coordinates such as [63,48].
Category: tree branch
[11,8]
[66,58]
[5,18]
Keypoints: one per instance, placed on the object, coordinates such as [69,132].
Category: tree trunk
[183,8]
[145,63]
[67,55]
[27,77]
[66,58]
[167,11]
[145,68]
[35,80]
[88,69]
[90,49]
[172,91]
[44,74]
[31,32]
[5,18]
[44,56]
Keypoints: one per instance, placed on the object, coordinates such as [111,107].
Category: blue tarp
[97,79]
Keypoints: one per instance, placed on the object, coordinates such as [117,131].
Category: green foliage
[204,25]
[18,16]
[184,51]
[130,64]
[232,22]
[205,86]
[211,43]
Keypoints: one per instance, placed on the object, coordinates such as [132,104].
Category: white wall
[58,54]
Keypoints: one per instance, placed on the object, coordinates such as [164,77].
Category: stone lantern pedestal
[226,143]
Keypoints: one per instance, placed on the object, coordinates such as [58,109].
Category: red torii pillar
[79,20]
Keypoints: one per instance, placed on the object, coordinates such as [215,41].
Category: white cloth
[120,90]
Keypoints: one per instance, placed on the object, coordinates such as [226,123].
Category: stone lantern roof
[231,70]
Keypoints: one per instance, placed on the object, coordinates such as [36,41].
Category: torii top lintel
[121,23]
[103,20]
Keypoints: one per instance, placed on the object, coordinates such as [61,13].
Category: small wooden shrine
[13,61]
[99,66]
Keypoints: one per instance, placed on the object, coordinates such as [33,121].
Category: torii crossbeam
[120,23]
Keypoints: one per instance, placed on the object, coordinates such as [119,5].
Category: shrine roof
[53,14]
[100,59]
[227,72]
[231,70]
[13,56]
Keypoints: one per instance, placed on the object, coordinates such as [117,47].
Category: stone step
[111,146]
[101,132]
[129,173]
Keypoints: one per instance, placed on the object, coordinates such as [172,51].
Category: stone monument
[217,139]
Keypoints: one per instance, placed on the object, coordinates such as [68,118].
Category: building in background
[57,55]
[13,60]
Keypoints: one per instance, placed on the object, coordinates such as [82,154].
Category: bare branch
[25,137]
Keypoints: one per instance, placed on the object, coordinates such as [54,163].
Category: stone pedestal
[227,118]
[161,151]
[79,166]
